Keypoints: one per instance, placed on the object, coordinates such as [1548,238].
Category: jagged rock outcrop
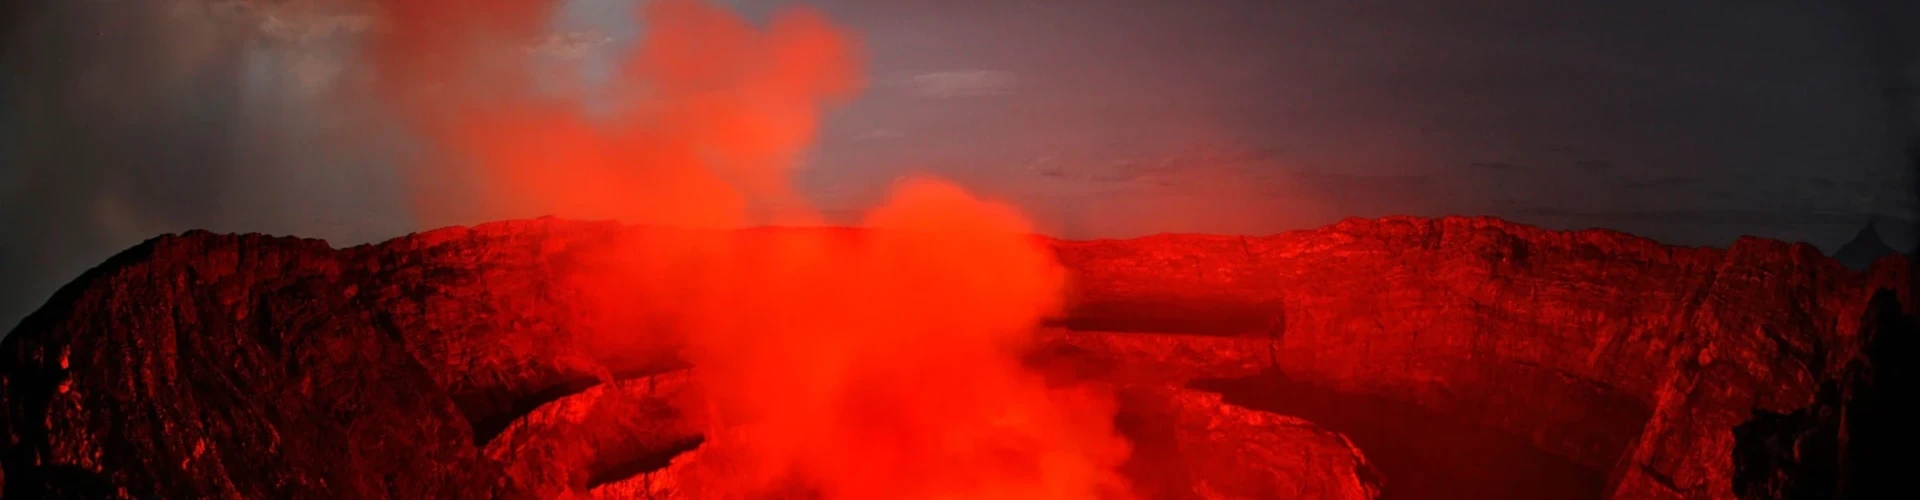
[209,365]
[227,367]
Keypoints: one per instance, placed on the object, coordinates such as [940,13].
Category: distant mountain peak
[1865,247]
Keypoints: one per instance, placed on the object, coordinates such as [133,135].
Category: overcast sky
[1692,123]
[1688,122]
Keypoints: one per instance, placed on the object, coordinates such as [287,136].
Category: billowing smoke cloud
[881,365]
[862,365]
[709,112]
[859,365]
[120,121]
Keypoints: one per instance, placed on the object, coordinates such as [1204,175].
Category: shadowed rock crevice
[1221,317]
[1846,444]
[1191,444]
[604,434]
[648,461]
[490,426]
[1422,454]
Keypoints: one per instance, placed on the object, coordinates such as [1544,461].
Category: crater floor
[1422,455]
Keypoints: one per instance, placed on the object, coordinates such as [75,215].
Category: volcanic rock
[1611,350]
[1191,445]
[1845,445]
[1188,445]
[205,365]
[572,445]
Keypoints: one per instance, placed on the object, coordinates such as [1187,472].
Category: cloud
[1593,165]
[1664,183]
[1191,165]
[1494,166]
[879,134]
[1117,171]
[295,21]
[957,84]
[309,27]
[569,45]
[312,74]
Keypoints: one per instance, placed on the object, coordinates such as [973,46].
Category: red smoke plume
[866,365]
[710,112]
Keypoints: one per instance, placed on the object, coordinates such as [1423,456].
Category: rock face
[1188,445]
[469,362]
[227,367]
[578,443]
[1845,444]
[1611,350]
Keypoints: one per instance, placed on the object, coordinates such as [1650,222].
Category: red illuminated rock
[1608,349]
[608,433]
[1188,444]
[205,366]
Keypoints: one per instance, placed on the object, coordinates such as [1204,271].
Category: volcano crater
[1393,358]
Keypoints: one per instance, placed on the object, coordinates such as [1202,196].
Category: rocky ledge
[476,363]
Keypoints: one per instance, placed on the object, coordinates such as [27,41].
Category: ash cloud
[120,121]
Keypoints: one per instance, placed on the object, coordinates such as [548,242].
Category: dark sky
[1692,124]
[1689,122]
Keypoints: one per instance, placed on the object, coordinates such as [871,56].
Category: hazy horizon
[1690,125]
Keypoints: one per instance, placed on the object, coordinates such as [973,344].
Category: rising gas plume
[708,116]
[872,364]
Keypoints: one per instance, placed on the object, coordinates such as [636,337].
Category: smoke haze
[123,120]
[120,121]
[868,365]
[880,366]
